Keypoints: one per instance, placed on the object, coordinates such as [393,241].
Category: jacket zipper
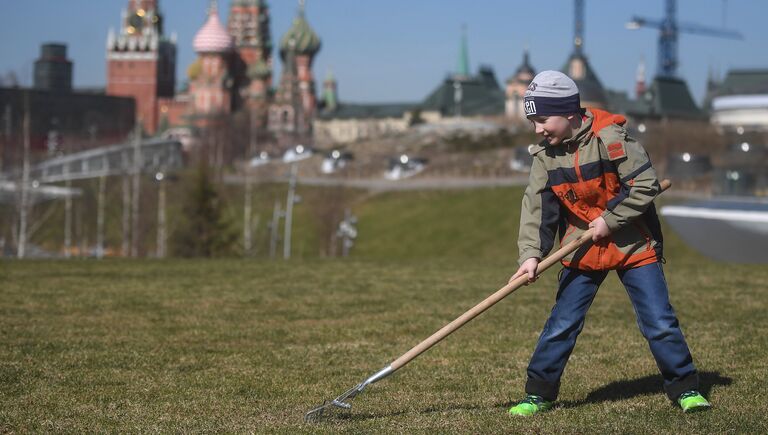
[576,166]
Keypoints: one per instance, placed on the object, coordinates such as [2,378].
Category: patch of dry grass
[244,346]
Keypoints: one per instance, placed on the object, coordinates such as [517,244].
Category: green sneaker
[693,401]
[532,404]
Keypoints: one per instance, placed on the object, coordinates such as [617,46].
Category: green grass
[480,223]
[250,345]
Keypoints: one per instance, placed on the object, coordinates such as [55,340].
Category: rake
[342,401]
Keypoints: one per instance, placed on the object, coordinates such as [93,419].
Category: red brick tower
[249,25]
[141,61]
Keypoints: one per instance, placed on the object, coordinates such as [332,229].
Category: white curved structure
[731,231]
[746,111]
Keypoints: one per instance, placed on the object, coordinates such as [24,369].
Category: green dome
[300,38]
[259,70]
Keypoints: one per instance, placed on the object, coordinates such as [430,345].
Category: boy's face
[555,129]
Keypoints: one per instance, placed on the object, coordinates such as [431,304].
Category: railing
[152,156]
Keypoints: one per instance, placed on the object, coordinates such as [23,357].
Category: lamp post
[100,212]
[161,229]
[136,191]
[289,211]
[250,162]
[67,214]
[24,203]
[126,218]
[273,231]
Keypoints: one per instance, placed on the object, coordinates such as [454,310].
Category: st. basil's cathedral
[233,71]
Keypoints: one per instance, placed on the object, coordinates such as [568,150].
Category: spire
[302,7]
[712,75]
[640,79]
[330,97]
[578,28]
[525,71]
[111,38]
[213,7]
[462,69]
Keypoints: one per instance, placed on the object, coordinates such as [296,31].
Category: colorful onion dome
[213,37]
[300,39]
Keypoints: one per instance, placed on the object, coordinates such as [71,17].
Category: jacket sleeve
[539,215]
[639,184]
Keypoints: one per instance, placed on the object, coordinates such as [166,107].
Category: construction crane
[669,28]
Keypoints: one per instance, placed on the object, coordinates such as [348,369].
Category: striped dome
[300,39]
[213,37]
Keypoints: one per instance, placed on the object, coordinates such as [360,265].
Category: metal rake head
[341,401]
[316,414]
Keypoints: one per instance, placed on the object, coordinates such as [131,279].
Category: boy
[587,173]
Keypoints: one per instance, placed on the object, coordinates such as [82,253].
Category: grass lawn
[251,345]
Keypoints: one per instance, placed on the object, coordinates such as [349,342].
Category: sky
[400,50]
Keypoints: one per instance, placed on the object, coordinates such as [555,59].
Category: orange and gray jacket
[600,171]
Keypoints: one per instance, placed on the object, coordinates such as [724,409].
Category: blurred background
[149,128]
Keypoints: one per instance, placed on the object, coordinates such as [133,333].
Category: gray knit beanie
[552,93]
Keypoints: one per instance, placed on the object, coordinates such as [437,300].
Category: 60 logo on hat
[530,107]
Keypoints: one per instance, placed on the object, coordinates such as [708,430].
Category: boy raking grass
[588,173]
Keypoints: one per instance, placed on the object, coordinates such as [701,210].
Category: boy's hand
[601,229]
[527,268]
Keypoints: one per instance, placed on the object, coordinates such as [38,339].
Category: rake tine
[343,400]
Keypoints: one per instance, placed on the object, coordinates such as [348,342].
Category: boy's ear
[574,119]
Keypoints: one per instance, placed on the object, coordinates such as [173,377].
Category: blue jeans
[647,289]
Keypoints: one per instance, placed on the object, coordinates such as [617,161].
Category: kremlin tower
[233,71]
[249,25]
[141,61]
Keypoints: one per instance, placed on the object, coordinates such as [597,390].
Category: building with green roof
[459,95]
[462,94]
[665,98]
[465,96]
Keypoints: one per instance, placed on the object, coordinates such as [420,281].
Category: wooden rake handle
[500,294]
